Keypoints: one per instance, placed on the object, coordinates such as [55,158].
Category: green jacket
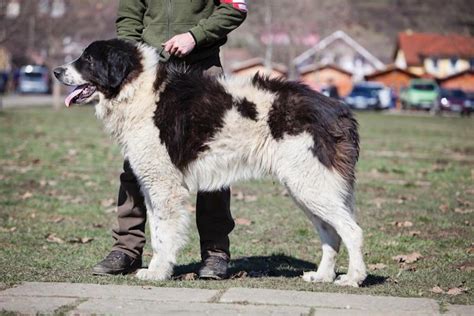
[156,21]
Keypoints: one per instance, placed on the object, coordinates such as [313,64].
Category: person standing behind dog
[192,30]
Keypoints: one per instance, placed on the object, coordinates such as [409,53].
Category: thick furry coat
[184,131]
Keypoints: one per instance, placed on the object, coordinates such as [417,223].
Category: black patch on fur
[190,111]
[247,109]
[297,108]
[109,65]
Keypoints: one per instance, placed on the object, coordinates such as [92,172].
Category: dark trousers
[213,217]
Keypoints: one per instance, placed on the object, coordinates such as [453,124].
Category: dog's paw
[318,277]
[151,275]
[344,280]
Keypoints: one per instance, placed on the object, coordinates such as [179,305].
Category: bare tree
[13,24]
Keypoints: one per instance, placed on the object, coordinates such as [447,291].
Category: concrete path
[25,101]
[87,299]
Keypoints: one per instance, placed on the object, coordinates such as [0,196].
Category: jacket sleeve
[129,21]
[225,18]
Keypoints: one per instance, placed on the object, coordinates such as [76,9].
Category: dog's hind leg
[331,242]
[327,199]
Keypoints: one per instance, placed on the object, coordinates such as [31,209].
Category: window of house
[454,61]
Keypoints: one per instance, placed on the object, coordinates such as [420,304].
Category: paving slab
[33,305]
[351,312]
[77,290]
[380,304]
[144,307]
[460,310]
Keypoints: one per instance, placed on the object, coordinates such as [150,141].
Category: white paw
[151,275]
[318,277]
[344,280]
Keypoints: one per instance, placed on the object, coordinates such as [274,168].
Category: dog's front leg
[168,221]
[165,196]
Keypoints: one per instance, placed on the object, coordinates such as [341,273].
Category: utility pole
[268,27]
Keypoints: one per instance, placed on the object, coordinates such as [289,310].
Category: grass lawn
[59,176]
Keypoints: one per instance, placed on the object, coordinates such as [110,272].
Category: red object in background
[238,4]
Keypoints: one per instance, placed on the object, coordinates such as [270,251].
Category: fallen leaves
[463,211]
[444,208]
[403,224]
[377,266]
[437,290]
[241,196]
[467,266]
[57,220]
[7,230]
[80,240]
[243,221]
[187,277]
[239,275]
[457,290]
[27,195]
[454,291]
[409,258]
[52,238]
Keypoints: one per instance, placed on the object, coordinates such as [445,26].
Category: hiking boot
[117,262]
[214,266]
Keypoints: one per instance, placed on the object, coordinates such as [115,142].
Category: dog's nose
[58,71]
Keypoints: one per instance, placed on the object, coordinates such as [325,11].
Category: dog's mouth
[80,94]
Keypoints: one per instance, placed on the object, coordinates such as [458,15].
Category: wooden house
[463,80]
[320,77]
[392,77]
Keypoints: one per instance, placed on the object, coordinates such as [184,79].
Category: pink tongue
[72,95]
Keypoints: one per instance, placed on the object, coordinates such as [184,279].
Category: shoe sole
[211,277]
[99,273]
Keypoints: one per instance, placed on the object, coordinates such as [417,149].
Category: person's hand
[180,45]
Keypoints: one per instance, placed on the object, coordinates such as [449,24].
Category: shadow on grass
[277,265]
[373,279]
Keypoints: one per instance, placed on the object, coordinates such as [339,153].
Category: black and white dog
[184,131]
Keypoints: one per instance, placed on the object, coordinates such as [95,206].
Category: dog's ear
[119,66]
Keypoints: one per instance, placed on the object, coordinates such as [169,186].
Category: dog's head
[103,68]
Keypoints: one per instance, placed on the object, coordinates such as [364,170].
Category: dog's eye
[88,58]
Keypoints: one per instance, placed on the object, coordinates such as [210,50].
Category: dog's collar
[163,56]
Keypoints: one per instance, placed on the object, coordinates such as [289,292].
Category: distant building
[392,77]
[434,54]
[340,50]
[463,80]
[328,75]
[252,66]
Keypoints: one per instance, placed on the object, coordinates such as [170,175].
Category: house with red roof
[434,54]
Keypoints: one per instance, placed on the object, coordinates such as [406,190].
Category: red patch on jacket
[238,4]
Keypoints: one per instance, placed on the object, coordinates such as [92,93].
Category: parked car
[3,81]
[469,102]
[421,94]
[33,79]
[330,91]
[369,96]
[454,100]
